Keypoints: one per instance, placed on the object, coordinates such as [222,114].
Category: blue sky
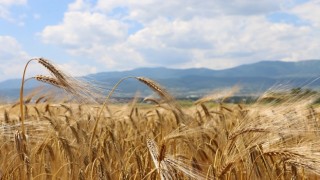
[87,36]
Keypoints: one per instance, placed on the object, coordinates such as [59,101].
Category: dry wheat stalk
[21,148]
[284,153]
[56,72]
[156,87]
[154,152]
[221,94]
[20,145]
[49,80]
[224,169]
[243,131]
[168,166]
[81,89]
[310,165]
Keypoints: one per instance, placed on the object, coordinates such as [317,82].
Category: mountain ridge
[278,68]
[199,81]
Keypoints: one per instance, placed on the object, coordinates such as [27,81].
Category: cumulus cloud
[80,5]
[13,59]
[310,12]
[5,6]
[146,10]
[214,34]
[12,2]
[84,30]
[75,69]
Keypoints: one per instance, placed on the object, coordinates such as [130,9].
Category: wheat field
[82,138]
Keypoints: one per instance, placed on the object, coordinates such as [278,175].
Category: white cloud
[214,34]
[13,58]
[80,5]
[225,41]
[4,13]
[96,37]
[75,69]
[310,12]
[84,30]
[147,10]
[5,6]
[12,2]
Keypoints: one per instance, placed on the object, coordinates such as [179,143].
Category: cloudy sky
[88,36]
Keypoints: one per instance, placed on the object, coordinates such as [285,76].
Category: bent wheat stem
[21,95]
[148,82]
[103,105]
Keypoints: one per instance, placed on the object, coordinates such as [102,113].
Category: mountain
[275,69]
[252,78]
[270,69]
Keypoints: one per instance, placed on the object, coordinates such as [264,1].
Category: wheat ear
[57,73]
[155,87]
[150,83]
[49,80]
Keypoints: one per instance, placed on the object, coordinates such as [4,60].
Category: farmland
[78,138]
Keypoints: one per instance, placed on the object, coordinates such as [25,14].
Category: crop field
[276,137]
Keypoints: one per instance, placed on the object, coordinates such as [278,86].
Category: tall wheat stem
[103,105]
[21,96]
[145,81]
[23,139]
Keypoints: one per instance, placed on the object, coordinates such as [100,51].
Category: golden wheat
[76,140]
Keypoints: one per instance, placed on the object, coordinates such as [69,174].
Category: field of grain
[269,139]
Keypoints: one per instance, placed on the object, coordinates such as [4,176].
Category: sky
[90,36]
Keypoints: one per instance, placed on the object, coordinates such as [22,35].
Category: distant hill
[275,69]
[253,78]
[270,69]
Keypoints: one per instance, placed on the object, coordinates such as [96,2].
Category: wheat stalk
[247,130]
[49,80]
[150,83]
[21,148]
[56,72]
[156,87]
